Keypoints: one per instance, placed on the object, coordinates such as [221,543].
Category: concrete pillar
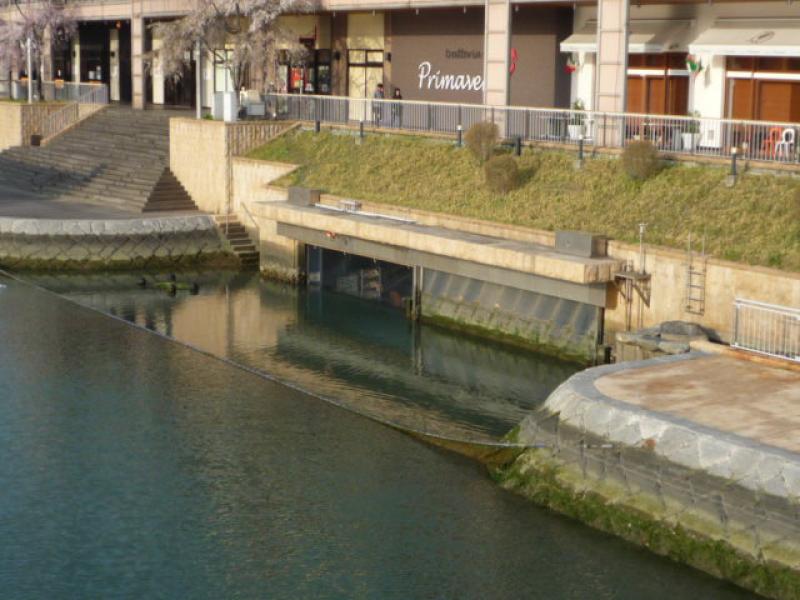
[612,55]
[137,55]
[497,47]
[46,58]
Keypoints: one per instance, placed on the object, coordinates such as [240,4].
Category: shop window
[740,63]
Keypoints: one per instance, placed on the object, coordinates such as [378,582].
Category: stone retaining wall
[111,244]
[716,501]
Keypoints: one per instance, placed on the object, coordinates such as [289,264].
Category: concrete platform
[755,401]
[727,417]
[535,259]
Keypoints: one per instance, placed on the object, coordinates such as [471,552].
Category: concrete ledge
[508,254]
[87,244]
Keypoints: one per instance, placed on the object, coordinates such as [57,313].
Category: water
[365,356]
[134,467]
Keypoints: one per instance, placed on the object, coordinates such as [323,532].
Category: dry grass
[756,222]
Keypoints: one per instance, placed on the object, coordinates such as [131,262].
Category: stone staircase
[239,240]
[118,158]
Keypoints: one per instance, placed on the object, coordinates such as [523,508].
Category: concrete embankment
[680,455]
[86,244]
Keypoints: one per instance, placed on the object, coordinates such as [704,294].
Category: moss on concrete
[536,475]
[577,355]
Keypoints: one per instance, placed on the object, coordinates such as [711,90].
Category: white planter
[689,141]
[575,131]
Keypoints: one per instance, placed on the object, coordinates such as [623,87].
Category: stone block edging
[745,462]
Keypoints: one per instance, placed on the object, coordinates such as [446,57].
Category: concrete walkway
[755,401]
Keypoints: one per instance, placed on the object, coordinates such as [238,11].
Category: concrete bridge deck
[301,222]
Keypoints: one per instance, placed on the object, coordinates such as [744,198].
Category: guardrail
[67,116]
[766,329]
[753,140]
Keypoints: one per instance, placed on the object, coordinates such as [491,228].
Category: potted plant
[691,134]
[576,119]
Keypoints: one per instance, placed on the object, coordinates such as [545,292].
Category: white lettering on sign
[436,81]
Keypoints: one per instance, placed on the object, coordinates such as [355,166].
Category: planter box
[689,141]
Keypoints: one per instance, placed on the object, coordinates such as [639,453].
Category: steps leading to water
[239,240]
[118,158]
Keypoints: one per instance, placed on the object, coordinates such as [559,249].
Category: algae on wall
[663,525]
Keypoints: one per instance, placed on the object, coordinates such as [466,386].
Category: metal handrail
[67,116]
[252,219]
[767,329]
[678,134]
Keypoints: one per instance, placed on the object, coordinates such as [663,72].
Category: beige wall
[200,152]
[19,121]
[197,157]
[10,125]
[725,281]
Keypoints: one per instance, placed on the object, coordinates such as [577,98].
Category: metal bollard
[361,129]
[580,148]
[734,154]
[316,126]
[518,146]
[459,135]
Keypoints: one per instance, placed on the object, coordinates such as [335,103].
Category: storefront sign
[436,80]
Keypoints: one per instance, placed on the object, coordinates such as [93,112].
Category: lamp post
[198,73]
[29,68]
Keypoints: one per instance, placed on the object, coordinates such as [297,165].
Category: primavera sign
[436,80]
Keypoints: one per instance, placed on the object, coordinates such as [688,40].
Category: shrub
[502,174]
[640,160]
[481,139]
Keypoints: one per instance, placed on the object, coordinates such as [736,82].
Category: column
[137,55]
[496,50]
[612,55]
[46,58]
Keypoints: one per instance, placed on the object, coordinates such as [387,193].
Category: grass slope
[756,222]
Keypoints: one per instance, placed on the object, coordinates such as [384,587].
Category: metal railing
[687,136]
[69,91]
[70,114]
[766,329]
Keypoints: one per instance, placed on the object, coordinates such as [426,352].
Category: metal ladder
[695,296]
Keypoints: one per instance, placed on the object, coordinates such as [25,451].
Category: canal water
[357,353]
[135,467]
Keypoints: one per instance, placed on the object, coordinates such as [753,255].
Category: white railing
[70,114]
[69,91]
[752,140]
[766,329]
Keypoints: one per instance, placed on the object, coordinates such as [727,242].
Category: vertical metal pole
[198,84]
[29,68]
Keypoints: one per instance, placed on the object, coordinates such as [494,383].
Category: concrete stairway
[117,158]
[169,195]
[239,240]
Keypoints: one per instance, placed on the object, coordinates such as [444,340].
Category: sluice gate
[551,298]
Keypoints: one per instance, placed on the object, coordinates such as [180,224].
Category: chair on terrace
[771,141]
[784,149]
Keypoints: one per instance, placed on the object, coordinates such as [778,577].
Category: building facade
[716,59]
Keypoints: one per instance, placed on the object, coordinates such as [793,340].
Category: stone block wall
[110,244]
[713,500]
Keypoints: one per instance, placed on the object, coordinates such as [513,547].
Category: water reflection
[365,356]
